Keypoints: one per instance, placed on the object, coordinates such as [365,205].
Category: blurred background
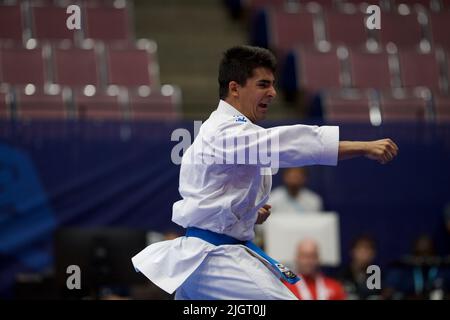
[87,116]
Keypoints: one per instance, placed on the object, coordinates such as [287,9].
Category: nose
[272,92]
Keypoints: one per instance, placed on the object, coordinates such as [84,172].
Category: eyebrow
[264,81]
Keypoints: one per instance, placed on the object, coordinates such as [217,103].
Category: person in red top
[313,284]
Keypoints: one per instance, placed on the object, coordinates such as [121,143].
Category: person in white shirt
[293,196]
[224,185]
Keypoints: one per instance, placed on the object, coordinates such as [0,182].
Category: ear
[233,89]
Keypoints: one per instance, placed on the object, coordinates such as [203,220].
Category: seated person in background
[313,284]
[422,275]
[354,276]
[293,196]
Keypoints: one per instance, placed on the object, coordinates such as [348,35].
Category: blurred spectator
[422,275]
[354,276]
[293,196]
[313,284]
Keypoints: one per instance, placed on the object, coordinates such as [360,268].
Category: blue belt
[218,239]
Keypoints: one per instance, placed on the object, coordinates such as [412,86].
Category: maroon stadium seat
[288,30]
[104,3]
[385,5]
[4,108]
[406,109]
[377,2]
[283,4]
[259,4]
[341,107]
[40,105]
[370,70]
[399,29]
[325,4]
[419,69]
[108,24]
[345,28]
[76,67]
[11,22]
[99,106]
[440,26]
[153,106]
[318,70]
[445,4]
[22,66]
[442,109]
[425,3]
[49,23]
[447,71]
[130,67]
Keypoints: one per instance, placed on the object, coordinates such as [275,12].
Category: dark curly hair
[238,64]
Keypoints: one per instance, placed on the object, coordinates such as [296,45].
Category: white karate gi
[225,198]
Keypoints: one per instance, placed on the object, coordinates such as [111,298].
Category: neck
[293,193]
[237,105]
[234,103]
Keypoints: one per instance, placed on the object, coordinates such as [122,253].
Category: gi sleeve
[277,147]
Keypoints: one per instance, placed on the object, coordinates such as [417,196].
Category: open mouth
[263,105]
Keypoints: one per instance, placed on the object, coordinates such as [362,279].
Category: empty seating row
[354,68]
[385,5]
[281,30]
[384,107]
[34,103]
[99,66]
[48,71]
[43,21]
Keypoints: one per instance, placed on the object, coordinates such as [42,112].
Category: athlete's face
[254,97]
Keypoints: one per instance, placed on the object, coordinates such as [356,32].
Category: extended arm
[383,150]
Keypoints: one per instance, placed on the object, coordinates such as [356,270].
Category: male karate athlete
[223,199]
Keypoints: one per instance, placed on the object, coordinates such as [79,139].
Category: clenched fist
[263,213]
[383,150]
